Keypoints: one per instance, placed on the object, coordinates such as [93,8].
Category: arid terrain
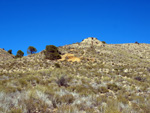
[91,77]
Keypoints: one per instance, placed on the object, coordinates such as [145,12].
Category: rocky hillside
[4,55]
[91,77]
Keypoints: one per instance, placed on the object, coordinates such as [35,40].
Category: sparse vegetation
[112,79]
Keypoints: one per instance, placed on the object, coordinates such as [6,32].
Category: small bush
[19,54]
[67,109]
[57,65]
[103,42]
[15,110]
[122,99]
[56,100]
[10,51]
[23,82]
[113,87]
[34,105]
[103,90]
[83,90]
[52,52]
[67,98]
[136,42]
[139,79]
[62,82]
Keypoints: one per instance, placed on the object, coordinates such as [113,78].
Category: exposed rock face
[92,42]
[88,42]
[70,58]
[4,55]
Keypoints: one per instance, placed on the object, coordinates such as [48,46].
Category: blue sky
[38,23]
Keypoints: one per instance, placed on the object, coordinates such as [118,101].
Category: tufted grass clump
[16,110]
[33,105]
[138,78]
[113,86]
[103,89]
[23,82]
[57,65]
[68,98]
[83,90]
[62,81]
[68,109]
[122,98]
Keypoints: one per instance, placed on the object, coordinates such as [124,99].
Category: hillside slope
[91,77]
[4,55]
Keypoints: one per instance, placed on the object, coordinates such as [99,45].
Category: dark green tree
[137,42]
[103,42]
[52,52]
[19,54]
[31,50]
[9,51]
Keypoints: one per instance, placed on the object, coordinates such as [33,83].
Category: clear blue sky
[39,23]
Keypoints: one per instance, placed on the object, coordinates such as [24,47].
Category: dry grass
[108,79]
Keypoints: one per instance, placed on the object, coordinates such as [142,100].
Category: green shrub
[67,109]
[23,82]
[68,98]
[19,54]
[15,110]
[113,87]
[136,42]
[103,90]
[33,105]
[9,51]
[62,82]
[56,100]
[103,42]
[52,52]
[138,78]
[82,90]
[31,50]
[57,65]
[123,99]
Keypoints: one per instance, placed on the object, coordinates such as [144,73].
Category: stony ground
[91,77]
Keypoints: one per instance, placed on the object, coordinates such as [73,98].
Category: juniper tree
[9,51]
[52,52]
[31,50]
[19,54]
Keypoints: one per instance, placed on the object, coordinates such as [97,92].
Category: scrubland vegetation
[110,78]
